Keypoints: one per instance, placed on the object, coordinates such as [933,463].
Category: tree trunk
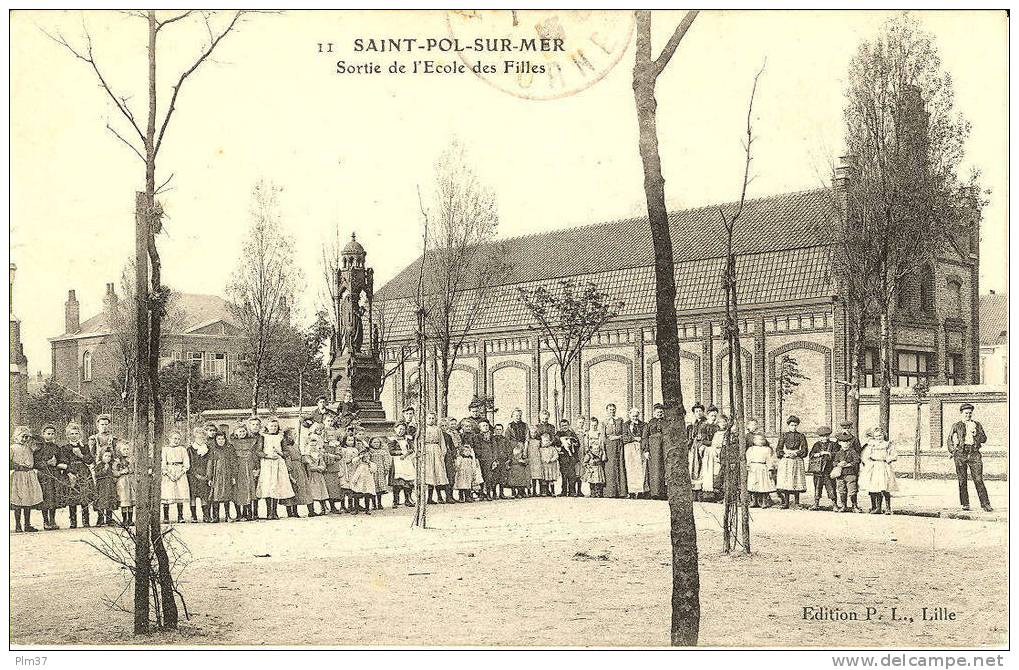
[560,405]
[143,445]
[885,404]
[155,311]
[256,387]
[444,374]
[421,504]
[855,366]
[685,578]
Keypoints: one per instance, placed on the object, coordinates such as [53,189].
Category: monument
[354,362]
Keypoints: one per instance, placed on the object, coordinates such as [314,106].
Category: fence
[934,416]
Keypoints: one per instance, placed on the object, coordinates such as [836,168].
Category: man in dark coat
[964,443]
[654,442]
[569,457]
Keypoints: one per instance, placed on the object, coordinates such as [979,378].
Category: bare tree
[464,261]
[151,295]
[568,317]
[263,284]
[686,608]
[421,337]
[854,268]
[905,197]
[735,473]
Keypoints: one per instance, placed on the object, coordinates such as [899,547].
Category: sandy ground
[563,572]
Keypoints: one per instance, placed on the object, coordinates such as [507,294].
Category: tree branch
[180,82]
[173,19]
[121,138]
[87,57]
[670,47]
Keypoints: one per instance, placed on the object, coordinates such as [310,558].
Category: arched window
[86,366]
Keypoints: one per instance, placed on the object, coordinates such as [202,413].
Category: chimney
[844,175]
[110,299]
[72,314]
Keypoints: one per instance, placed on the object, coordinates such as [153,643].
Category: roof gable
[185,313]
[217,327]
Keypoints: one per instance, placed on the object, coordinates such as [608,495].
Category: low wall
[288,418]
[936,413]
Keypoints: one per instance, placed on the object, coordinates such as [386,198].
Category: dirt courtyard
[539,572]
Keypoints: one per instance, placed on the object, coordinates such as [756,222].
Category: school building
[790,308]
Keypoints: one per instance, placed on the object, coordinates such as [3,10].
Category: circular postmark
[541,54]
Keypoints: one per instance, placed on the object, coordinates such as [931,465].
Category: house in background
[994,338]
[90,354]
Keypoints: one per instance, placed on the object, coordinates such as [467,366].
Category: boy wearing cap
[964,443]
[821,460]
[791,476]
[845,473]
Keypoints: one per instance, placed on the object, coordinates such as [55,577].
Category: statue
[354,365]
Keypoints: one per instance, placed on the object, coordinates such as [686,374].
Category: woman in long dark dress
[612,439]
[654,442]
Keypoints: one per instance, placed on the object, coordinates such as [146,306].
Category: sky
[350,151]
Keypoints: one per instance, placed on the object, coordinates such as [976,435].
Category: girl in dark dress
[220,469]
[198,483]
[80,489]
[245,472]
[47,466]
[106,489]
[298,476]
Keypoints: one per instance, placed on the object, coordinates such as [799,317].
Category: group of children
[331,466]
[838,464]
[80,475]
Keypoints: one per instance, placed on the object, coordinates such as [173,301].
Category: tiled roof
[994,319]
[793,275]
[776,223]
[185,311]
